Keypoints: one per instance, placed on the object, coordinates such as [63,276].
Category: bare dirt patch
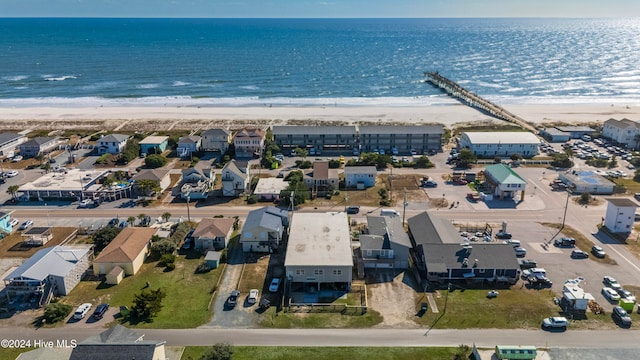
[11,246]
[391,295]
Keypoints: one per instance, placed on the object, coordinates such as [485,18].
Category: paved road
[359,337]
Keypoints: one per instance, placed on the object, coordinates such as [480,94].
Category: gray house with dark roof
[263,229]
[321,138]
[38,145]
[439,255]
[385,243]
[112,144]
[9,141]
[119,343]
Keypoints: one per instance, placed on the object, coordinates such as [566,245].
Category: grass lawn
[12,353]
[271,319]
[512,309]
[629,184]
[253,276]
[582,242]
[333,353]
[186,303]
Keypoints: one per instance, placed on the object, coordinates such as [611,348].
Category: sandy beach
[127,118]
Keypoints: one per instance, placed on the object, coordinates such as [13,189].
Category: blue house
[154,144]
[360,177]
[5,223]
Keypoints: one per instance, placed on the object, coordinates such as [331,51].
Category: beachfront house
[504,144]
[263,229]
[187,145]
[337,139]
[504,182]
[196,184]
[625,132]
[38,145]
[216,139]
[213,233]
[360,177]
[112,144]
[321,179]
[403,140]
[154,144]
[249,142]
[9,141]
[620,215]
[234,181]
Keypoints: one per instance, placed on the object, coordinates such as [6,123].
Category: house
[321,179]
[213,233]
[159,176]
[404,139]
[625,132]
[249,142]
[438,256]
[385,243]
[234,181]
[555,135]
[187,145]
[504,182]
[50,271]
[319,252]
[77,184]
[5,223]
[263,229]
[360,177]
[575,131]
[9,141]
[581,181]
[320,138]
[216,140]
[505,144]
[127,250]
[269,189]
[37,146]
[37,236]
[620,215]
[196,184]
[154,144]
[112,144]
[119,342]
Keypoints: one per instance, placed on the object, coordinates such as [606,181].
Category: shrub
[164,246]
[166,259]
[155,161]
[203,268]
[171,266]
[55,312]
[252,199]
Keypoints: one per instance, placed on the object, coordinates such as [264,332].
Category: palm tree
[166,216]
[13,190]
[141,217]
[131,220]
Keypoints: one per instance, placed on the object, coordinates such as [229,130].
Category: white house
[9,141]
[620,215]
[492,144]
[234,181]
[112,144]
[319,251]
[187,145]
[625,131]
[269,189]
[360,177]
[504,182]
[263,229]
[196,184]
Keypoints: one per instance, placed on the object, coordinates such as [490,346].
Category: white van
[389,212]
[538,272]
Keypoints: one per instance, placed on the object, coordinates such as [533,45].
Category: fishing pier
[475,101]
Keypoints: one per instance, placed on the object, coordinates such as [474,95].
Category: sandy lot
[391,295]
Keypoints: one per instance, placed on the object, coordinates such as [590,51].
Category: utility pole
[188,212]
[404,205]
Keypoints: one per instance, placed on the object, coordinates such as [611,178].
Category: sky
[319,8]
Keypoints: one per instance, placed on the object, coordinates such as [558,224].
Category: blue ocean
[350,62]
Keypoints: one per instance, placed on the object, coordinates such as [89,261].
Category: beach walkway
[475,101]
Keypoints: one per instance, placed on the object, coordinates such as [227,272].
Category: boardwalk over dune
[475,101]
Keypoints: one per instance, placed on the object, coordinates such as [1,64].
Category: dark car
[620,316]
[527,264]
[233,298]
[579,254]
[598,252]
[503,235]
[353,209]
[100,311]
[565,242]
[429,183]
[113,222]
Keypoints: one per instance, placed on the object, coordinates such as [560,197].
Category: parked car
[353,209]
[610,294]
[429,183]
[609,281]
[555,322]
[565,242]
[17,158]
[626,294]
[474,196]
[14,222]
[85,203]
[503,235]
[232,301]
[492,294]
[520,252]
[620,316]
[12,173]
[113,222]
[579,254]
[514,243]
[275,285]
[25,225]
[100,311]
[82,311]
[252,298]
[527,264]
[598,252]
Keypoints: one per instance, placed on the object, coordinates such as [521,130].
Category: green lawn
[13,352]
[351,319]
[512,309]
[333,353]
[186,303]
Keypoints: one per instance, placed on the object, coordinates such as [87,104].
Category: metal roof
[427,228]
[57,260]
[488,256]
[504,174]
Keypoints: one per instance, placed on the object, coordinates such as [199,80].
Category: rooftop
[427,228]
[152,140]
[304,130]
[622,202]
[488,256]
[127,245]
[214,227]
[506,137]
[348,170]
[270,186]
[319,239]
[70,180]
[504,174]
[401,129]
[57,260]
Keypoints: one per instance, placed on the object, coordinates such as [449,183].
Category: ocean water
[293,62]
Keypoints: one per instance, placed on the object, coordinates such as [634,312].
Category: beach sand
[128,118]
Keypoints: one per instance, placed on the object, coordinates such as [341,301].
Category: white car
[13,173]
[82,311]
[275,285]
[253,296]
[14,222]
[555,322]
[17,158]
[610,294]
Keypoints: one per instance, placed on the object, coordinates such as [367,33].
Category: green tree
[423,162]
[130,151]
[164,246]
[497,160]
[147,304]
[561,160]
[147,187]
[463,352]
[166,216]
[585,198]
[613,163]
[141,218]
[46,167]
[131,220]
[55,312]
[219,351]
[13,190]
[103,237]
[466,158]
[303,153]
[516,157]
[155,161]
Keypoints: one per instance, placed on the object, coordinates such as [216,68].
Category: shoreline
[155,118]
